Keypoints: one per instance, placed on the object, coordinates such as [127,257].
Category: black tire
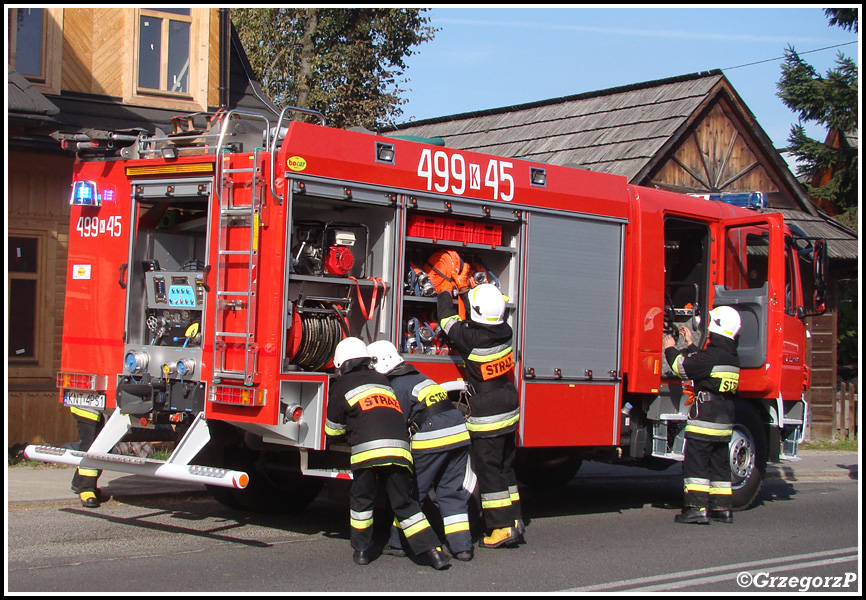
[748,455]
[279,488]
[546,467]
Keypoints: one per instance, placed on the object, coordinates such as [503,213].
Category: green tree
[832,102]
[347,63]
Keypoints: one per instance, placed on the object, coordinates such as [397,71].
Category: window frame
[41,363]
[195,98]
[48,82]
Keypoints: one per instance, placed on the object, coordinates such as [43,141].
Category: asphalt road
[595,535]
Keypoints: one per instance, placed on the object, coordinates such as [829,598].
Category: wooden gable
[718,155]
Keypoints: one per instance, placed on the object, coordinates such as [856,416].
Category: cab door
[759,278]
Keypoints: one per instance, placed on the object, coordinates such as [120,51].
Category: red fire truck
[212,271]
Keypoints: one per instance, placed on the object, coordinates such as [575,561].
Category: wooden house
[72,70]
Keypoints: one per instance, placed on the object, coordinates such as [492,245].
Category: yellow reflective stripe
[413,529]
[728,381]
[455,527]
[678,367]
[515,495]
[370,391]
[496,503]
[88,472]
[359,524]
[697,487]
[720,491]
[432,394]
[334,431]
[86,414]
[382,453]
[708,431]
[490,357]
[495,500]
[443,441]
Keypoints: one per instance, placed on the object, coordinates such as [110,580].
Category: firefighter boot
[506,536]
[692,514]
[89,499]
[438,559]
[362,557]
[722,515]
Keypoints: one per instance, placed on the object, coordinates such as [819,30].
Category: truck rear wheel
[276,484]
[748,456]
[546,467]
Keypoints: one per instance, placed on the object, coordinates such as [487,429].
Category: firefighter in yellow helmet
[362,406]
[715,371]
[84,481]
[485,342]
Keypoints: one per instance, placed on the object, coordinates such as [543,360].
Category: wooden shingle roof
[618,130]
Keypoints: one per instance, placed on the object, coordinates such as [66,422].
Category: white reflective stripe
[470,480]
[452,519]
[696,481]
[413,520]
[493,350]
[376,444]
[361,516]
[416,391]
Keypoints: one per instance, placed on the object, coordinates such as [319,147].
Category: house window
[164,55]
[24,297]
[27,39]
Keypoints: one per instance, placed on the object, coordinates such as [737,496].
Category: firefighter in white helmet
[362,406]
[485,342]
[715,371]
[440,447]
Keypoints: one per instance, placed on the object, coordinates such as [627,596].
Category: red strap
[376,281]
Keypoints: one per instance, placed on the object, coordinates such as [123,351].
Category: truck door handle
[120,273]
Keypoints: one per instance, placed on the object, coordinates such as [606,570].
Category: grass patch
[844,445]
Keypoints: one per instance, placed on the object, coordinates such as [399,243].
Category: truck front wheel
[748,456]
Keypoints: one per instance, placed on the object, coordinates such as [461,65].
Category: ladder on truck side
[236,272]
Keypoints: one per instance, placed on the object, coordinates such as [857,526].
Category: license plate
[82,399]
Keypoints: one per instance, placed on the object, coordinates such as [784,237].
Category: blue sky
[492,57]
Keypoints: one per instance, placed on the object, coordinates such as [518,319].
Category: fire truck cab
[212,272]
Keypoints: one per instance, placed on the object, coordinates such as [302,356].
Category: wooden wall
[718,157]
[38,189]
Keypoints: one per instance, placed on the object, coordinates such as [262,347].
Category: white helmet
[348,349]
[385,356]
[486,304]
[725,321]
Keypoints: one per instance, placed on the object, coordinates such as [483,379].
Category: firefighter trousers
[89,425]
[493,461]
[449,476]
[707,474]
[407,512]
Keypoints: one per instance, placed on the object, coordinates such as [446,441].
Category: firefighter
[485,342]
[440,447]
[715,371]
[84,481]
[362,406]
